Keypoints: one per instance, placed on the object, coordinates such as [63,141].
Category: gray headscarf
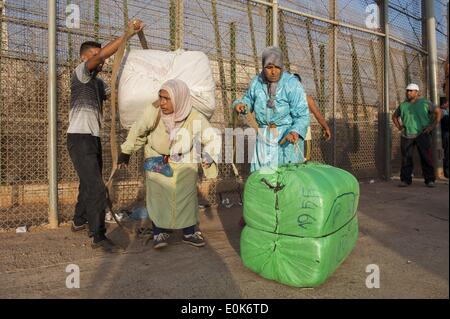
[271,55]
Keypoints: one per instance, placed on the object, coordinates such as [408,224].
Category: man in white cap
[418,117]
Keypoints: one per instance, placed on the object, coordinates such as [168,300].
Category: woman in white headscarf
[173,143]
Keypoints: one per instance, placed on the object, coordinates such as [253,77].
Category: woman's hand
[240,108]
[292,137]
[207,160]
[205,164]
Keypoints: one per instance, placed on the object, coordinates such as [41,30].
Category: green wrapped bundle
[306,200]
[296,261]
[300,222]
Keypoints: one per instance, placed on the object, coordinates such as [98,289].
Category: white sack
[144,71]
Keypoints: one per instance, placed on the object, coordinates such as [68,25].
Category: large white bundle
[144,71]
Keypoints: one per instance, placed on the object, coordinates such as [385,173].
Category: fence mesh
[341,68]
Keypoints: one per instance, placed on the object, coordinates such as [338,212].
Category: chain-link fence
[326,42]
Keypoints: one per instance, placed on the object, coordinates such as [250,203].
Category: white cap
[412,86]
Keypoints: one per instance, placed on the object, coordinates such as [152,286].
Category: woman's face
[165,103]
[272,72]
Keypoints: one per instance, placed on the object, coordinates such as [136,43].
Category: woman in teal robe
[280,108]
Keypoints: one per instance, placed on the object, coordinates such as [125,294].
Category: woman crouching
[173,136]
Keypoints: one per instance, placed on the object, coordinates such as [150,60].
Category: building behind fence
[328,43]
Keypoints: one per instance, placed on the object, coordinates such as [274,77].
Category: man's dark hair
[298,77]
[88,45]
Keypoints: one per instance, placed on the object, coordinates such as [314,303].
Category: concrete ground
[402,230]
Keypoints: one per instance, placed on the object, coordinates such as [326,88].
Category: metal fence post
[275,23]
[386,111]
[1,92]
[52,114]
[180,24]
[334,78]
[430,23]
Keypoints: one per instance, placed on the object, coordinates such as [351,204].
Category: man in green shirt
[418,117]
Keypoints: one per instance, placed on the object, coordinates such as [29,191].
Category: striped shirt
[87,95]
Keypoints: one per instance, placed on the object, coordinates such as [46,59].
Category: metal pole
[96,18]
[1,91]
[275,23]
[252,36]
[334,60]
[425,91]
[264,3]
[173,24]
[386,111]
[52,125]
[430,21]
[334,22]
[446,66]
[180,24]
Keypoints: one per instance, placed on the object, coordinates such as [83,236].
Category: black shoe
[404,184]
[76,228]
[107,246]
[196,239]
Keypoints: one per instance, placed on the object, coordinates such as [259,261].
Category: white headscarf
[181,101]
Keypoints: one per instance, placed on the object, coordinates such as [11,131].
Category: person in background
[320,119]
[419,117]
[444,131]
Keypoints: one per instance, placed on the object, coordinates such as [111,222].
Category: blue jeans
[186,231]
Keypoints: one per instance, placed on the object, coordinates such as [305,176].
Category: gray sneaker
[160,240]
[196,239]
[431,184]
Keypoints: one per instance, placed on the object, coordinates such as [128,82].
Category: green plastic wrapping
[296,261]
[306,200]
[301,222]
